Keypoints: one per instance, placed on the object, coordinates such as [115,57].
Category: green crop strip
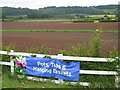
[59,31]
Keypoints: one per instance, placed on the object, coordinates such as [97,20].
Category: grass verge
[9,81]
[60,31]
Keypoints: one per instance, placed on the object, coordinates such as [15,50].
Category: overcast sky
[35,4]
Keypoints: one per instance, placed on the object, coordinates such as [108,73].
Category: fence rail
[5,63]
[60,56]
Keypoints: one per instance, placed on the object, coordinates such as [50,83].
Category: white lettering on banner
[56,65]
[42,64]
[63,67]
[43,70]
[53,65]
[50,71]
[60,72]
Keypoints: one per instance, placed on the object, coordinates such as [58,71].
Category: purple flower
[21,64]
[24,64]
[14,56]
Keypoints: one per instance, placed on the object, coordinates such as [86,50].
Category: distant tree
[77,16]
[20,17]
[82,16]
[117,16]
[44,15]
[38,15]
[54,11]
[105,17]
[33,15]
[19,7]
[4,17]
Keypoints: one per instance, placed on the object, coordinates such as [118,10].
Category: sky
[35,4]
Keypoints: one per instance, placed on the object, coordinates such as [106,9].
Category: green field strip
[59,31]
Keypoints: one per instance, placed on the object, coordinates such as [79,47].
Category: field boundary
[103,31]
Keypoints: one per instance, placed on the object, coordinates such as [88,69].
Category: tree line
[64,12]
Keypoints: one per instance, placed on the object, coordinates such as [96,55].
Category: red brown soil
[56,40]
[57,25]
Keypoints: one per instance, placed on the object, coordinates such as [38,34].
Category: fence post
[12,63]
[60,80]
[117,77]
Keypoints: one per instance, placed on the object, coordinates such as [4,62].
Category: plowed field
[57,40]
[57,25]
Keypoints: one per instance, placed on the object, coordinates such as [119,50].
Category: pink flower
[21,64]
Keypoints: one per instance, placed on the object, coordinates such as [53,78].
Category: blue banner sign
[48,68]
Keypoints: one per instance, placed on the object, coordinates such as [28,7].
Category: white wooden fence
[60,56]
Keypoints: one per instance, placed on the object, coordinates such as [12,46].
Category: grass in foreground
[96,81]
[9,81]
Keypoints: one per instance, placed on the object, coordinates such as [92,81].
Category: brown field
[57,25]
[57,40]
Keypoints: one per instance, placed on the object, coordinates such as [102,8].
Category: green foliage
[114,53]
[38,15]
[11,46]
[5,58]
[106,7]
[106,16]
[7,20]
[56,11]
[95,45]
[11,11]
[33,55]
[83,51]
[42,50]
[64,52]
[117,20]
[32,50]
[4,17]
[12,81]
[102,82]
[46,57]
[92,21]
[60,31]
[84,21]
[78,50]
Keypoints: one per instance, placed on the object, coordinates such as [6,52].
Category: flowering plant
[19,63]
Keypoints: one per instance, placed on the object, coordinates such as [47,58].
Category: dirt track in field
[57,25]
[56,40]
